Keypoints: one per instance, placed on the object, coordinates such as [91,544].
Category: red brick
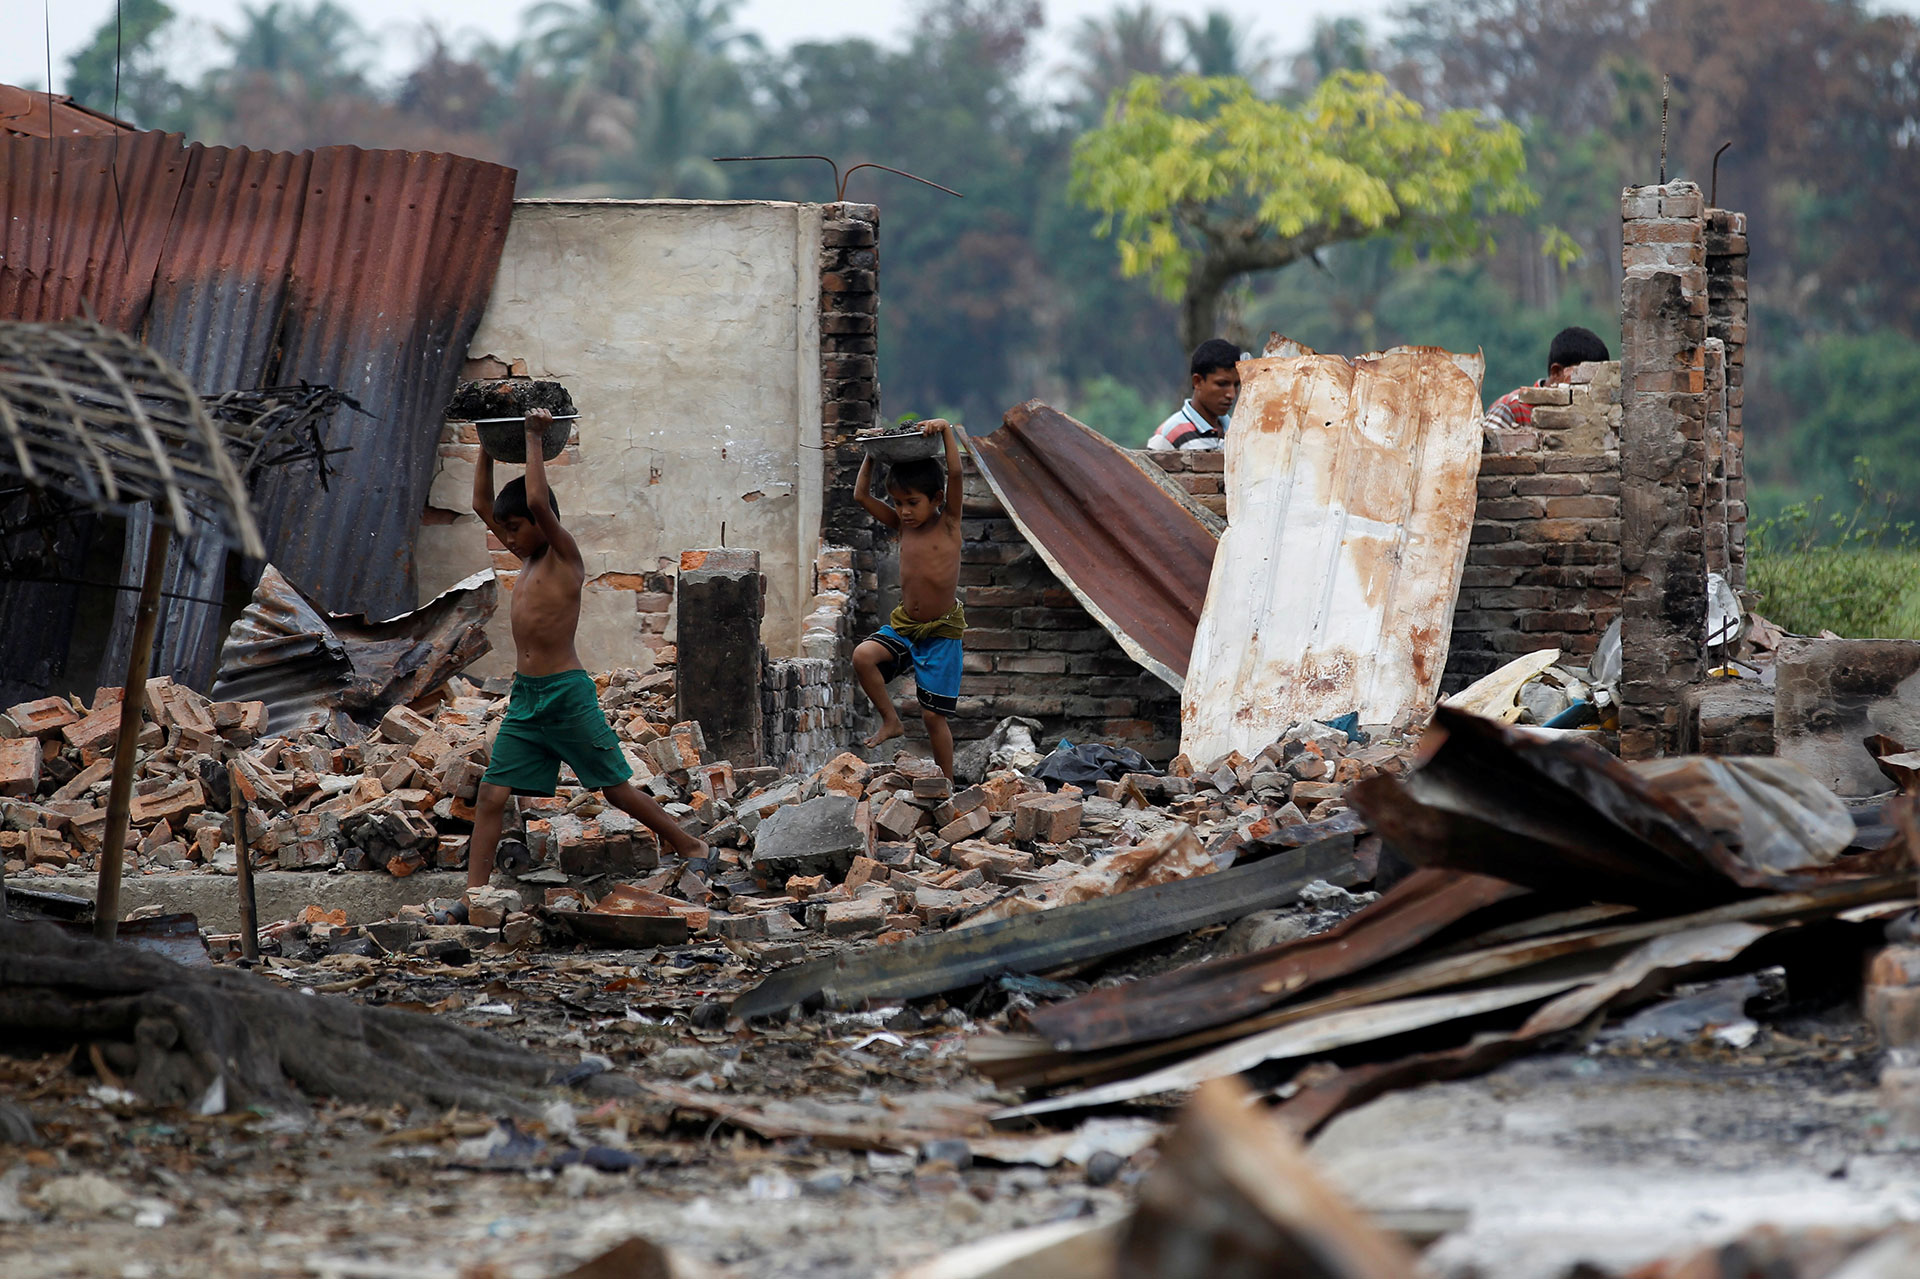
[1550,486]
[1603,508]
[1050,819]
[20,759]
[42,718]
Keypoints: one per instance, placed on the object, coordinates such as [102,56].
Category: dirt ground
[1613,1155]
[348,1191]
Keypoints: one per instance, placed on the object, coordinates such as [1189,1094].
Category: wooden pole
[243,866]
[133,701]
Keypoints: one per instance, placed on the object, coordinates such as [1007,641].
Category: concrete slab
[366,896]
[1834,693]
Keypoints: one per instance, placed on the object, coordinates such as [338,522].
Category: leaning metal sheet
[1133,550]
[1350,497]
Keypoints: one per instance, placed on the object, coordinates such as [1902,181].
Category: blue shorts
[935,664]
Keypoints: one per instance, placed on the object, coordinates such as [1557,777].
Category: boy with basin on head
[923,505]
[554,715]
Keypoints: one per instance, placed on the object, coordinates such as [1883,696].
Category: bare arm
[956,478]
[558,539]
[483,493]
[863,494]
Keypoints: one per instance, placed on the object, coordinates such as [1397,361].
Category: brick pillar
[1663,312]
[722,598]
[1715,537]
[1727,320]
[850,387]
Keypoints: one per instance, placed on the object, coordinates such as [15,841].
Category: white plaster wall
[688,334]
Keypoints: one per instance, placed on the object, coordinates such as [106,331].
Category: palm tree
[1338,44]
[695,102]
[600,46]
[317,50]
[1219,46]
[1114,49]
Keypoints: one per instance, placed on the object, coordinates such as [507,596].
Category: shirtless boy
[554,714]
[923,503]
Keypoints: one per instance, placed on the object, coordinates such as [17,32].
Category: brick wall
[810,703]
[1033,651]
[1201,472]
[1543,565]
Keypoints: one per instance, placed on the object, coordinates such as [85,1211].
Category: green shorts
[553,719]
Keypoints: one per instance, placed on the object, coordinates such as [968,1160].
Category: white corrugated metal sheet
[1350,496]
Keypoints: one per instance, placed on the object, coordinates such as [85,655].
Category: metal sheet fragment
[928,965]
[1350,499]
[1556,814]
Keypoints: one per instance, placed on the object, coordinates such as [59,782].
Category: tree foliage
[1201,181]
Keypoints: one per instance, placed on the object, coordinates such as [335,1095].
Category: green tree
[1203,182]
[123,70]
[1338,44]
[1853,401]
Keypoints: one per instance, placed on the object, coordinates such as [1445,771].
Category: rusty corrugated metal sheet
[1350,497]
[392,269]
[28,113]
[363,270]
[68,242]
[1134,550]
[1214,993]
[339,674]
[1560,815]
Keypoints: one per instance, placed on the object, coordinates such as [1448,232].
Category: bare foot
[888,731]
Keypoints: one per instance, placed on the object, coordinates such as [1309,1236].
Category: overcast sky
[1284,23]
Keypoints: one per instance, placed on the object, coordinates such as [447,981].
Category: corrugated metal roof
[74,238]
[362,270]
[1133,548]
[28,113]
[1350,498]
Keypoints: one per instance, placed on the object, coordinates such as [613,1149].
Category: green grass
[1861,593]
[1856,574]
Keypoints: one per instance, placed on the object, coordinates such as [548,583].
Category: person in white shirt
[1201,422]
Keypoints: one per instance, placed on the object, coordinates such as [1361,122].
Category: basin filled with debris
[895,444]
[498,408]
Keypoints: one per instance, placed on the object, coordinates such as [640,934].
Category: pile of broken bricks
[861,851]
[857,850]
[399,800]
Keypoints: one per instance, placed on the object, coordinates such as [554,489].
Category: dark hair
[512,502]
[1211,356]
[1576,346]
[918,475]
